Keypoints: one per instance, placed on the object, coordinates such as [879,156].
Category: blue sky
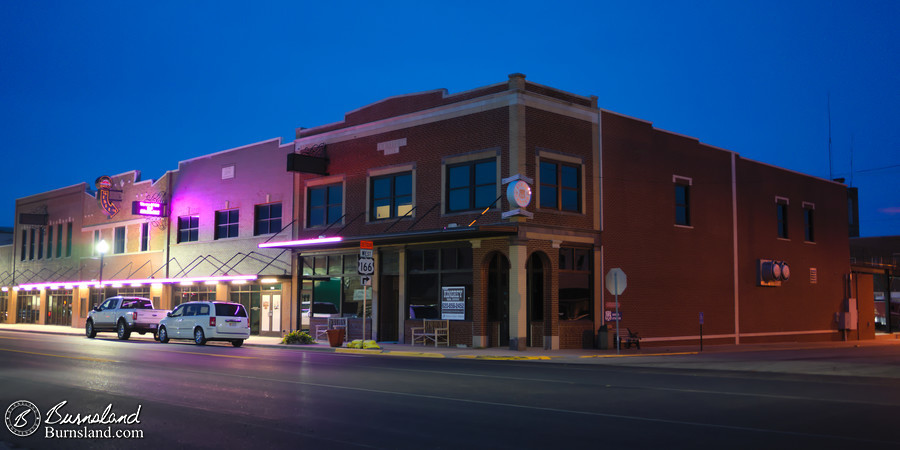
[93,88]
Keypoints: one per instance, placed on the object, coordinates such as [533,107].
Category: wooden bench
[628,337]
[435,330]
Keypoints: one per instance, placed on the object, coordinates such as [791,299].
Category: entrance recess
[271,313]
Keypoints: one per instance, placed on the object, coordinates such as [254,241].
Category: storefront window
[28,307]
[336,288]
[59,307]
[4,306]
[429,270]
[249,296]
[575,283]
[199,292]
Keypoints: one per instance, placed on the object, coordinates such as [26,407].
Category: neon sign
[144,208]
[104,186]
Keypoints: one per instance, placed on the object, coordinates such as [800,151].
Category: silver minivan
[206,321]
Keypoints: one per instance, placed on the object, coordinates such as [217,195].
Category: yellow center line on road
[83,358]
[640,354]
[209,354]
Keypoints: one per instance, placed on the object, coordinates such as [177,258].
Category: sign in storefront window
[453,303]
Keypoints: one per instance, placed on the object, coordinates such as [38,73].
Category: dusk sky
[93,88]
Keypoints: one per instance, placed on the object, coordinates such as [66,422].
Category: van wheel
[199,338]
[122,331]
[237,343]
[89,330]
[163,335]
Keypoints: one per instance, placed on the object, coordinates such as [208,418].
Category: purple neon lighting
[82,284]
[301,242]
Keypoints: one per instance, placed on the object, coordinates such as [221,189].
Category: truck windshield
[137,303]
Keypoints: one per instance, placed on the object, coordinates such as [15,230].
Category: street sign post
[365,267]
[616,281]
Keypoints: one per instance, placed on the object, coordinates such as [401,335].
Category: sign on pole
[616,281]
[615,284]
[365,267]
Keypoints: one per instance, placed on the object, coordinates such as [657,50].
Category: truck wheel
[122,331]
[199,338]
[237,342]
[163,335]
[89,330]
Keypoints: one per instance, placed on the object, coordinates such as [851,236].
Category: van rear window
[230,310]
[137,303]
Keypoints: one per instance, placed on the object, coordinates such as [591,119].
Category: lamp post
[102,247]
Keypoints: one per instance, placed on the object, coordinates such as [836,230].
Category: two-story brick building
[698,230]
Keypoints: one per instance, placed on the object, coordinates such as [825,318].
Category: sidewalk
[499,353]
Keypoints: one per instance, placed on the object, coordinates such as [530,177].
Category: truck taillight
[212,321]
[134,315]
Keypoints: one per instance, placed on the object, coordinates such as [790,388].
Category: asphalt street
[217,396]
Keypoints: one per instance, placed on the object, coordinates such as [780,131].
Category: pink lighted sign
[143,208]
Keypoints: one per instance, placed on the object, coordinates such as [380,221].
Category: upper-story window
[40,243]
[471,185]
[781,215]
[68,239]
[50,242]
[119,241]
[24,245]
[188,228]
[560,186]
[326,204]
[145,237]
[391,196]
[682,200]
[268,219]
[227,223]
[809,229]
[59,240]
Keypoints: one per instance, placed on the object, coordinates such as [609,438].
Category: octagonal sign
[616,281]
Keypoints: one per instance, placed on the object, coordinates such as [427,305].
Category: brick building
[761,252]
[501,209]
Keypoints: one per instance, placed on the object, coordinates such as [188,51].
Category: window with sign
[432,269]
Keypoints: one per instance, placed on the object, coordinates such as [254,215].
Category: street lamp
[102,247]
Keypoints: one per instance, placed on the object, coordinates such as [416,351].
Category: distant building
[500,209]
[875,262]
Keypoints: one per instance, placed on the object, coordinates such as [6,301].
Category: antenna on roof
[830,168]
[851,159]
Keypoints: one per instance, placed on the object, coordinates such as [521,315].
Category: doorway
[498,296]
[270,322]
[535,297]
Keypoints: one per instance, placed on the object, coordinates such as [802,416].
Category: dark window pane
[548,173]
[485,196]
[431,259]
[569,177]
[403,184]
[459,200]
[458,176]
[548,196]
[485,172]
[381,188]
[317,197]
[570,201]
[415,259]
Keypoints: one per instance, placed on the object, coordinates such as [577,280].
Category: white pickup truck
[124,315]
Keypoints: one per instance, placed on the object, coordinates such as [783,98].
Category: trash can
[603,338]
[335,337]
